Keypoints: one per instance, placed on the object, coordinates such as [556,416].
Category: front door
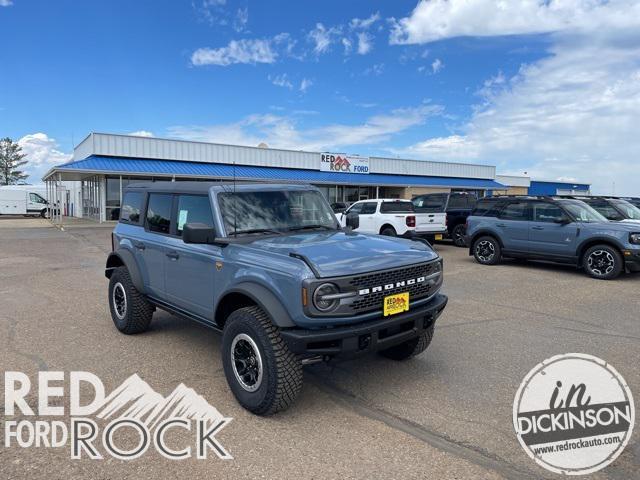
[513,226]
[550,234]
[190,268]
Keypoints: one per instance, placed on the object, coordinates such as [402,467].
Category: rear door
[547,235]
[152,247]
[190,268]
[513,225]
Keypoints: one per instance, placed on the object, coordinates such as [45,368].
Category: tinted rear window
[396,207]
[487,208]
[435,202]
[131,207]
[159,212]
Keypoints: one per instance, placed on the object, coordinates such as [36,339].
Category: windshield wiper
[257,230]
[309,227]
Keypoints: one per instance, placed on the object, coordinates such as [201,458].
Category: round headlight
[319,297]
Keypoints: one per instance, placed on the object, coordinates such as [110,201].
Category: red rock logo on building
[340,164]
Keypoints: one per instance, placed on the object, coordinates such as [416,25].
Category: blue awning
[137,166]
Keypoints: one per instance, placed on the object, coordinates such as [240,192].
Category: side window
[458,201]
[487,208]
[607,210]
[159,212]
[131,207]
[368,208]
[193,209]
[546,212]
[516,211]
[35,198]
[355,208]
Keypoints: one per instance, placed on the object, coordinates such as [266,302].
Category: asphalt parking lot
[445,414]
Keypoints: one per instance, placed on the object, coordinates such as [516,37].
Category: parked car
[22,202]
[394,217]
[558,230]
[270,268]
[632,200]
[614,209]
[456,205]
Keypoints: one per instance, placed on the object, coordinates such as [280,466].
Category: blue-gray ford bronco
[270,268]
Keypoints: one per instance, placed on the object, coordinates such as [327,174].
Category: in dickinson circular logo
[573,414]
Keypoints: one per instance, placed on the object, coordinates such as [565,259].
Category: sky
[546,87]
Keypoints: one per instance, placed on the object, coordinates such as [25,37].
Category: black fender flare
[584,245]
[126,258]
[483,233]
[266,300]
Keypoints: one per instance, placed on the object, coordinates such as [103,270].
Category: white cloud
[348,45]
[573,114]
[281,81]
[237,51]
[282,132]
[5,3]
[305,84]
[375,70]
[437,65]
[42,153]
[241,19]
[364,43]
[364,23]
[141,133]
[323,37]
[440,19]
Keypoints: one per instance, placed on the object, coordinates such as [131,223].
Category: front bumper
[365,337]
[632,260]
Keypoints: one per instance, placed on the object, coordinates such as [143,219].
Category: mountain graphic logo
[135,399]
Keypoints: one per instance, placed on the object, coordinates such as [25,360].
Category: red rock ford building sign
[339,163]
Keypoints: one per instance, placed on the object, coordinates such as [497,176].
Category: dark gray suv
[552,229]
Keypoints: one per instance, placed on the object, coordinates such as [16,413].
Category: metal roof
[168,168]
[130,146]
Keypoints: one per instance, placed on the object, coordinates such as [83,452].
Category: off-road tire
[485,259]
[281,370]
[138,311]
[457,235]
[410,348]
[388,231]
[600,273]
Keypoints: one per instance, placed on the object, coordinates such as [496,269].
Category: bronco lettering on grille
[391,286]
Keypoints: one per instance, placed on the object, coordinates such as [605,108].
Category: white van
[22,202]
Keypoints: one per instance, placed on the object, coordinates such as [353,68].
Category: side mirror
[198,233]
[563,220]
[353,220]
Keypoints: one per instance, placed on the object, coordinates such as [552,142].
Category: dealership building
[103,164]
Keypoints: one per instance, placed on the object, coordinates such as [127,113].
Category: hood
[630,221]
[622,226]
[335,254]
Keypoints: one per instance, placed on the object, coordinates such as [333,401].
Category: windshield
[582,212]
[629,210]
[275,211]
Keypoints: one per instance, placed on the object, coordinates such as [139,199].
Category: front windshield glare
[630,210]
[278,211]
[583,212]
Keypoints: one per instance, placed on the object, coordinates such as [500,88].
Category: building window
[113,198]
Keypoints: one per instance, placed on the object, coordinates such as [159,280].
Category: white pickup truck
[394,217]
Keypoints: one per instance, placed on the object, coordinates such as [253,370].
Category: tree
[11,159]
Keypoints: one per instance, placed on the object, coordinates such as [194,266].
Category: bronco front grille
[373,300]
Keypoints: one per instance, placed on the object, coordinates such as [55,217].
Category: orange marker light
[304,297]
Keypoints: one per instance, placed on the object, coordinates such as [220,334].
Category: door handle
[501,225]
[537,228]
[173,255]
[139,245]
